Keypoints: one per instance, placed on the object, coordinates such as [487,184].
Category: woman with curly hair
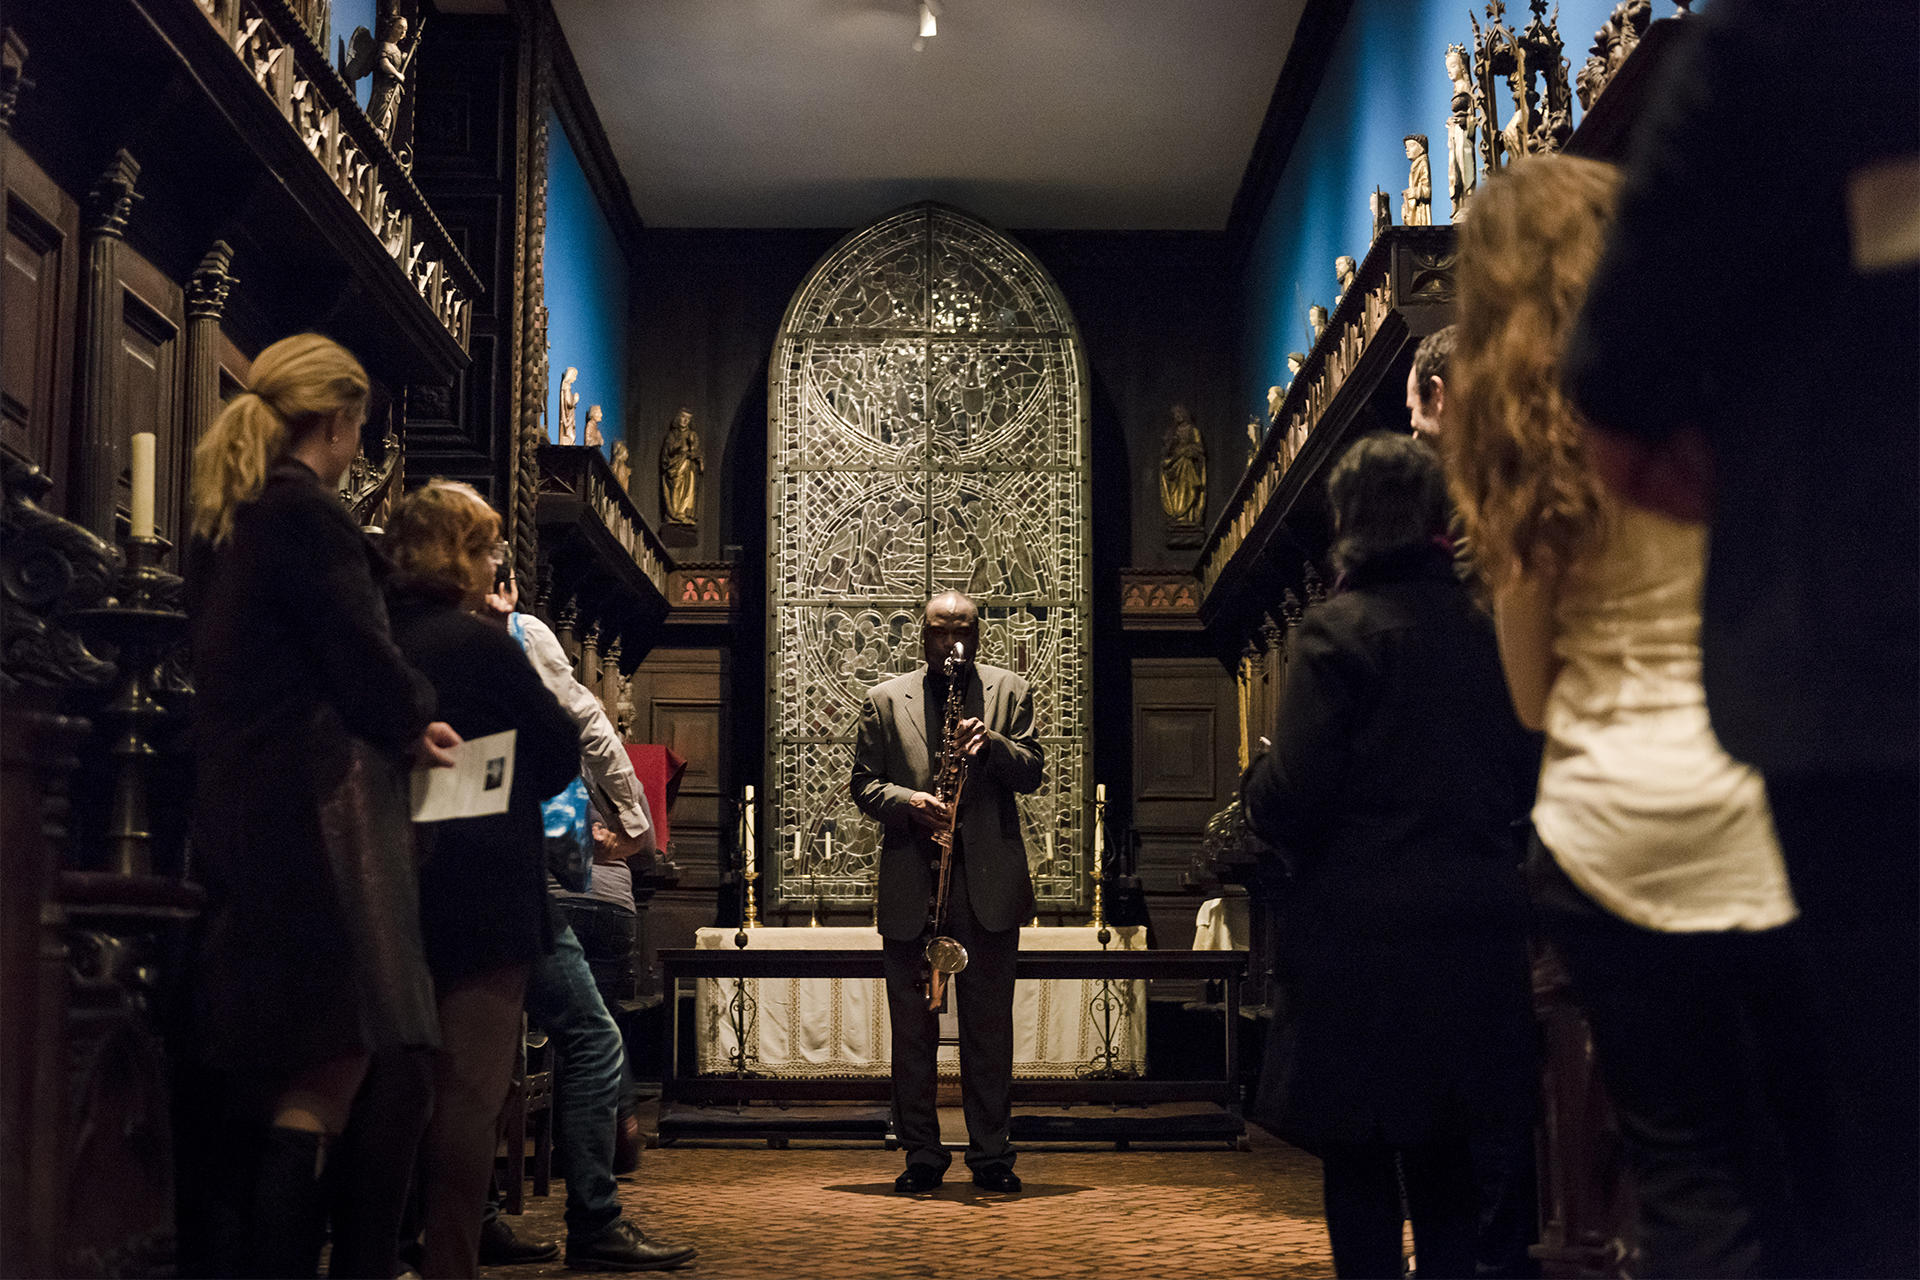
[1655,868]
[483,888]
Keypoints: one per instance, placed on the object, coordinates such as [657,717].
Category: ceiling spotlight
[929,20]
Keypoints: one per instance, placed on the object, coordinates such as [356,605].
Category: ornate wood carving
[1159,600]
[294,73]
[206,303]
[531,322]
[49,568]
[13,77]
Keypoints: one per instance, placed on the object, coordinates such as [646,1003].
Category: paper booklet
[477,785]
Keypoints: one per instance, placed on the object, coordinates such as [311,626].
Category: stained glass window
[927,430]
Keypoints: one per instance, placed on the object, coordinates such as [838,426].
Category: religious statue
[622,464]
[681,463]
[593,426]
[1344,270]
[569,404]
[1612,43]
[1316,321]
[390,74]
[1463,168]
[1382,213]
[1416,202]
[1296,361]
[1183,480]
[1253,438]
[1276,396]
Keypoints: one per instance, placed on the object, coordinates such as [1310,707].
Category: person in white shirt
[1656,872]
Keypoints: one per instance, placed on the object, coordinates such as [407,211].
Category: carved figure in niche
[622,465]
[1344,270]
[1612,43]
[1382,212]
[1416,202]
[569,405]
[1316,321]
[1463,168]
[593,425]
[1183,474]
[681,463]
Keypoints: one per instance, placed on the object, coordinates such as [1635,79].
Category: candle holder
[750,918]
[142,630]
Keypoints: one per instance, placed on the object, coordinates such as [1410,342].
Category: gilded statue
[1416,202]
[569,406]
[1183,472]
[681,463]
[1463,168]
[593,426]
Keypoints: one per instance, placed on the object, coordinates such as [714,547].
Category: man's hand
[434,748]
[927,810]
[973,736]
[611,845]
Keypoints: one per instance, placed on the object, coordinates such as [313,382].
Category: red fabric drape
[659,770]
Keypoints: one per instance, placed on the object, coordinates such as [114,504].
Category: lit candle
[1099,826]
[828,859]
[1049,848]
[142,504]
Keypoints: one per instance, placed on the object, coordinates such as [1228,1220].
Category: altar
[823,1028]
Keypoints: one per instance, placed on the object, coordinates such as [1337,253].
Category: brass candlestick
[751,918]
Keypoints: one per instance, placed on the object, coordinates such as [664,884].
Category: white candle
[1049,848]
[828,859]
[142,468]
[797,864]
[1099,826]
[747,840]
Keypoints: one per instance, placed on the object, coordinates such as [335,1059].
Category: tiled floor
[821,1210]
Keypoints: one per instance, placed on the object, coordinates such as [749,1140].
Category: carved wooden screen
[927,429]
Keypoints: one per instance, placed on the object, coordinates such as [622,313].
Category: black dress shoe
[918,1178]
[621,1247]
[996,1180]
[499,1247]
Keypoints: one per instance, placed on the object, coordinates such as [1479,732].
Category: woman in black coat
[483,894]
[306,718]
[1396,771]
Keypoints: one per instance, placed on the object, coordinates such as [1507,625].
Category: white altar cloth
[822,1027]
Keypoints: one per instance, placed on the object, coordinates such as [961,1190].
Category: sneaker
[499,1247]
[621,1247]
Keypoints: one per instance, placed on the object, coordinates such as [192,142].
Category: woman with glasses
[483,894]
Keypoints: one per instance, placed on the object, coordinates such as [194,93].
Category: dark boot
[372,1165]
[289,1204]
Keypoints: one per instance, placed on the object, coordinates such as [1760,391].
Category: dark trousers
[1361,1183]
[1852,844]
[1703,1044]
[984,1000]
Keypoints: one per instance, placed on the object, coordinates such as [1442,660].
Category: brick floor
[828,1210]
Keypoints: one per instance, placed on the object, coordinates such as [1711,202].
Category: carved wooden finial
[110,202]
[13,79]
[207,288]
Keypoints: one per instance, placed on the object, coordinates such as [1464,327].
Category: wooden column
[109,206]
[206,302]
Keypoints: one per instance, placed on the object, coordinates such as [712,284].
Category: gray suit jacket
[893,759]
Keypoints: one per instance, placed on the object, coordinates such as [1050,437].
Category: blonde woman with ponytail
[307,719]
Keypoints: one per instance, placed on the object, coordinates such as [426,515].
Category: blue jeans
[563,1001]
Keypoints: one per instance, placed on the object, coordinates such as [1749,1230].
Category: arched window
[927,429]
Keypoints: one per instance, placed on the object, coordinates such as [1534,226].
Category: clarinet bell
[946,955]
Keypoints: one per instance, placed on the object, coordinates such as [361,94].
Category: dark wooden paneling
[1176,753]
[1184,771]
[42,264]
[149,387]
[679,699]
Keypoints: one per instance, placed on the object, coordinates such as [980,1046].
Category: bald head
[951,618]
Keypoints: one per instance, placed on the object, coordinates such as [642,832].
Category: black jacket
[483,889]
[894,757]
[1397,772]
[303,711]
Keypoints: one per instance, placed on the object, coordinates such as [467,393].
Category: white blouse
[1638,802]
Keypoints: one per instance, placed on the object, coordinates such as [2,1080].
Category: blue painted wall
[1386,78]
[346,15]
[586,278]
